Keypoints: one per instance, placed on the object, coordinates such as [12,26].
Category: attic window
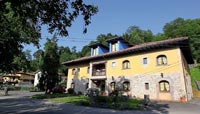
[114,46]
[95,51]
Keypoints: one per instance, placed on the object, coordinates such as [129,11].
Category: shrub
[102,99]
[70,91]
[80,93]
[92,92]
[47,96]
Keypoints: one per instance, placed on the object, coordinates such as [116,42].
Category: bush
[80,93]
[70,91]
[11,88]
[102,99]
[92,92]
[47,96]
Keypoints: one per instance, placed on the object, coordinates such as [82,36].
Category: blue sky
[115,16]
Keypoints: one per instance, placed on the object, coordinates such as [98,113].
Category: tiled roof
[119,38]
[96,44]
[181,42]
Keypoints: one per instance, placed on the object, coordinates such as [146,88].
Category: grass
[195,75]
[48,96]
[78,100]
[84,100]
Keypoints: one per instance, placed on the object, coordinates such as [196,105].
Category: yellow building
[19,78]
[156,69]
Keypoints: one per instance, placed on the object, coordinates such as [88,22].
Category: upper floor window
[95,51]
[114,47]
[126,64]
[78,70]
[164,86]
[161,60]
[88,70]
[114,64]
[145,61]
[73,71]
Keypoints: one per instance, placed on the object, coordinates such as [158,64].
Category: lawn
[101,101]
[195,75]
[48,96]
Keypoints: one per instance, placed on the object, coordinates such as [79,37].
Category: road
[23,104]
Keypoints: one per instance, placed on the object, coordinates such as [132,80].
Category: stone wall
[137,85]
[80,85]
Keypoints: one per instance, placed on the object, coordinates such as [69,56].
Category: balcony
[99,70]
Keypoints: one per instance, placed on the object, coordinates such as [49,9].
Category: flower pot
[183,99]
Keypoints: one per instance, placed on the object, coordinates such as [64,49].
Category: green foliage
[78,100]
[137,36]
[50,64]
[48,96]
[102,38]
[23,61]
[195,75]
[70,91]
[190,28]
[101,102]
[21,22]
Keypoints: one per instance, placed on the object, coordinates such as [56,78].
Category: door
[164,92]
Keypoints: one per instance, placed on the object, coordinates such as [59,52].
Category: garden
[93,99]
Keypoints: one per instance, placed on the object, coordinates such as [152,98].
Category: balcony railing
[99,73]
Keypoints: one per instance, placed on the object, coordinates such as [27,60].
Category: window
[114,64]
[88,70]
[94,51]
[86,85]
[161,60]
[126,64]
[126,86]
[73,71]
[72,85]
[112,86]
[146,86]
[114,47]
[78,70]
[145,61]
[164,86]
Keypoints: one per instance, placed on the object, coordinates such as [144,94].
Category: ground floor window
[86,85]
[164,86]
[72,85]
[126,86]
[112,85]
[146,86]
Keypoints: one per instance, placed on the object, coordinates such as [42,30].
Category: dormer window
[114,47]
[95,51]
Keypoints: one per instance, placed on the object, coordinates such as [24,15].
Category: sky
[115,16]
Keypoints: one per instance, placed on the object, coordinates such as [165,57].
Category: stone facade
[137,85]
[79,85]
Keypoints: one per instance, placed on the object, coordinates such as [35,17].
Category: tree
[137,36]
[185,28]
[35,63]
[102,38]
[50,64]
[21,22]
[22,61]
[65,55]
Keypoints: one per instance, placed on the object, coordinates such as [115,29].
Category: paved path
[22,104]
